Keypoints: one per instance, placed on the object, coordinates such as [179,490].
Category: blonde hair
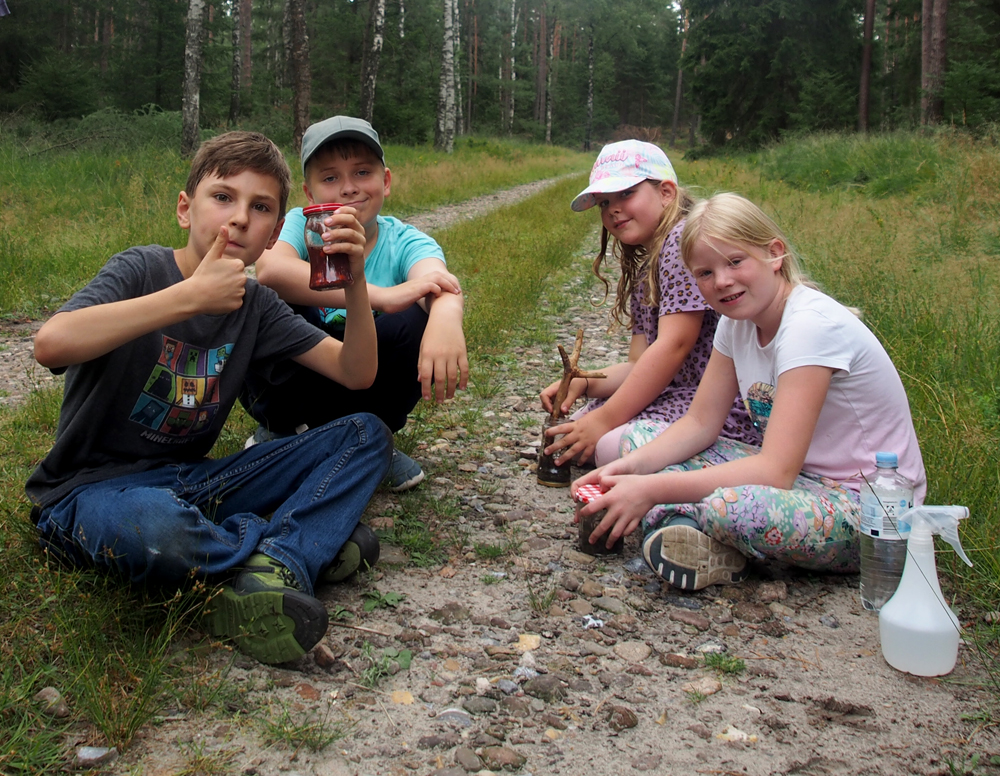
[636,262]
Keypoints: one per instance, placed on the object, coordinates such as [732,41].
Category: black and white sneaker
[690,560]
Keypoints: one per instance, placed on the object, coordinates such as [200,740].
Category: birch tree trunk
[369,68]
[402,17]
[299,66]
[590,89]
[190,101]
[513,75]
[444,136]
[236,86]
[457,48]
[680,83]
[866,66]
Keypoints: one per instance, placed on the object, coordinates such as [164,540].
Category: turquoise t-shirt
[398,248]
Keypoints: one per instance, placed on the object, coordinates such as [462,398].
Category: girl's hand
[577,386]
[580,437]
[627,500]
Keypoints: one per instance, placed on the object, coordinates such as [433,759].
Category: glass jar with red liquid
[326,270]
[588,523]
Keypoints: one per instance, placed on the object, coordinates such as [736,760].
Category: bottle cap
[886,460]
[328,207]
[587,493]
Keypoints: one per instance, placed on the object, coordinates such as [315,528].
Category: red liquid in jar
[326,270]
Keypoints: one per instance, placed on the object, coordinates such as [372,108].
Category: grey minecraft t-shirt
[163,397]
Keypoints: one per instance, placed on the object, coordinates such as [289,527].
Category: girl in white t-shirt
[819,387]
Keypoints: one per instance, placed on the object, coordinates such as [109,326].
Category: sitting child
[817,383]
[417,303]
[642,213]
[155,350]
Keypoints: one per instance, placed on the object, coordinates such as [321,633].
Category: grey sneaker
[266,613]
[690,560]
[262,434]
[404,473]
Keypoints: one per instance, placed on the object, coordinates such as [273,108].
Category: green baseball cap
[339,127]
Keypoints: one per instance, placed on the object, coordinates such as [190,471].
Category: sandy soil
[548,661]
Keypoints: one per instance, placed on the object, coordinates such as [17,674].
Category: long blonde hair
[636,262]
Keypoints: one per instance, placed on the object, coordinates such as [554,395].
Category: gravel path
[527,656]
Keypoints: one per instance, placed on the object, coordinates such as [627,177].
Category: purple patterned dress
[678,294]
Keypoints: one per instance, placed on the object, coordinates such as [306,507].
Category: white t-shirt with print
[866,410]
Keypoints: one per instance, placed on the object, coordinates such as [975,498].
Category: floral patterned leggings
[814,525]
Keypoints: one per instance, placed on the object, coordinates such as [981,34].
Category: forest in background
[717,73]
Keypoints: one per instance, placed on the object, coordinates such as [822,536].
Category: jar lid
[329,207]
[587,493]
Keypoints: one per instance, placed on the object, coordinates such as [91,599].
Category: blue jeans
[205,518]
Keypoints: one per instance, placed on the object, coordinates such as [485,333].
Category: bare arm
[73,337]
[443,357]
[354,362]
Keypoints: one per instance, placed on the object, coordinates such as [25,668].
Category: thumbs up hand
[219,283]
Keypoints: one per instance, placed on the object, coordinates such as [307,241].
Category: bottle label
[879,519]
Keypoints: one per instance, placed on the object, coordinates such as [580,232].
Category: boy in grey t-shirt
[156,348]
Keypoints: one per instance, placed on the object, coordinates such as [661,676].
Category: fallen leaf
[402,696]
[447,572]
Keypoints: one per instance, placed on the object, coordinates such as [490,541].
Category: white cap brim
[586,199]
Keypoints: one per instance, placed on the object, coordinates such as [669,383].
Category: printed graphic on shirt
[759,400]
[181,396]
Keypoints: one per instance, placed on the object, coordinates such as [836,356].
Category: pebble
[580,607]
[52,702]
[679,661]
[456,717]
[591,589]
[780,610]
[574,556]
[685,602]
[612,605]
[92,756]
[633,651]
[688,617]
[772,591]
[751,612]
[545,687]
[829,621]
[468,759]
[704,686]
[502,757]
[620,718]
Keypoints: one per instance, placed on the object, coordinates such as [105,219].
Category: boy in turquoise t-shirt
[417,303]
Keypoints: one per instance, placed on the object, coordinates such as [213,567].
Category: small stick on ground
[570,371]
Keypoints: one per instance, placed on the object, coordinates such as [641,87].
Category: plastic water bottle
[884,498]
[918,630]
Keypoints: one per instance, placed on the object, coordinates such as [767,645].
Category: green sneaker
[359,552]
[266,613]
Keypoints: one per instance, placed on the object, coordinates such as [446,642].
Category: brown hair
[638,264]
[345,148]
[231,153]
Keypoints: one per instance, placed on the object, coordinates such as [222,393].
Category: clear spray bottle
[918,630]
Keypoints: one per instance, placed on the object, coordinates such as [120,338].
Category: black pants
[308,397]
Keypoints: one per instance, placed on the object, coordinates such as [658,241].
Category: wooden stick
[569,372]
[360,628]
